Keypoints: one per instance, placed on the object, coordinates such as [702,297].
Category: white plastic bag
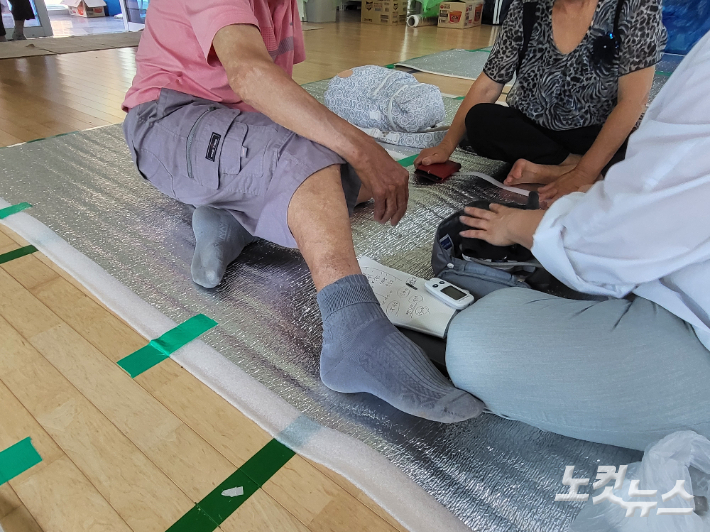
[683,456]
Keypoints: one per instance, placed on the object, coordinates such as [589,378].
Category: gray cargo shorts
[203,153]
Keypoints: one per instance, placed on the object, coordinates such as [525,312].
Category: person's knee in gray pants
[620,372]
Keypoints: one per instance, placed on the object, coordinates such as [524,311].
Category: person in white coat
[634,368]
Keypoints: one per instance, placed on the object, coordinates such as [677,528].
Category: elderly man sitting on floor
[215,121]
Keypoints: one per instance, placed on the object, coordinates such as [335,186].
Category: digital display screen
[453,293]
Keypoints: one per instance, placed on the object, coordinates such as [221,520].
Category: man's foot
[220,238]
[19,37]
[3,38]
[364,352]
[526,172]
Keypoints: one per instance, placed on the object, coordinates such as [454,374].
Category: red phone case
[440,171]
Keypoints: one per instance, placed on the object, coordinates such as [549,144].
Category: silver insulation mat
[455,63]
[494,474]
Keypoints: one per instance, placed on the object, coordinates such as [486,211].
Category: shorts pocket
[205,145]
[243,155]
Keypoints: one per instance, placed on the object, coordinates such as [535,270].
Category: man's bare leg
[362,350]
[220,239]
[524,171]
[319,221]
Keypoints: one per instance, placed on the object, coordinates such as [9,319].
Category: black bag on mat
[480,267]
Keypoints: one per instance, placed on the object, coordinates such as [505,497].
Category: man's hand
[437,154]
[574,181]
[387,180]
[502,226]
[268,89]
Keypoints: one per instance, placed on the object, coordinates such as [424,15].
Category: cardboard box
[384,12]
[460,15]
[86,8]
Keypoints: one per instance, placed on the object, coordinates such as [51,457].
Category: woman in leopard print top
[582,85]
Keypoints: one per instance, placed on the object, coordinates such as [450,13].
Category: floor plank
[60,498]
[359,495]
[262,514]
[141,494]
[204,411]
[54,492]
[17,424]
[19,520]
[318,502]
[8,500]
[189,461]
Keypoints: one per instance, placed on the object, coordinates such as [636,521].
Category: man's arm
[634,89]
[483,90]
[268,89]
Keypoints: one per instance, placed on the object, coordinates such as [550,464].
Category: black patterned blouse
[562,92]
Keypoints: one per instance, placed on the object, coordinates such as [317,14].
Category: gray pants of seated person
[205,154]
[621,372]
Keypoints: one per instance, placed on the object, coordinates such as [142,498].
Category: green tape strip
[161,348]
[219,507]
[264,464]
[408,161]
[216,508]
[17,253]
[18,459]
[665,74]
[7,211]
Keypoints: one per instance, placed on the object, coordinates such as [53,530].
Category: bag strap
[529,19]
[617,21]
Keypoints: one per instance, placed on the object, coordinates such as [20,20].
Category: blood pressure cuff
[480,267]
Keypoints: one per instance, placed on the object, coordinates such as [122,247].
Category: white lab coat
[645,229]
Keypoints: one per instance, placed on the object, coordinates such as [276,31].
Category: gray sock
[364,352]
[220,238]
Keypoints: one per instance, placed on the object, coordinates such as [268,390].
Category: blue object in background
[136,10]
[113,7]
[686,21]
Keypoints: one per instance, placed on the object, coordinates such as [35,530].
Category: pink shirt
[176,52]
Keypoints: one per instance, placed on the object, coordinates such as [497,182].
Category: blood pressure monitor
[453,296]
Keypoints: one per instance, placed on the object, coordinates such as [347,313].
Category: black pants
[505,134]
[21,10]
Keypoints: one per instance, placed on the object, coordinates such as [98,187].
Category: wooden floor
[122,454]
